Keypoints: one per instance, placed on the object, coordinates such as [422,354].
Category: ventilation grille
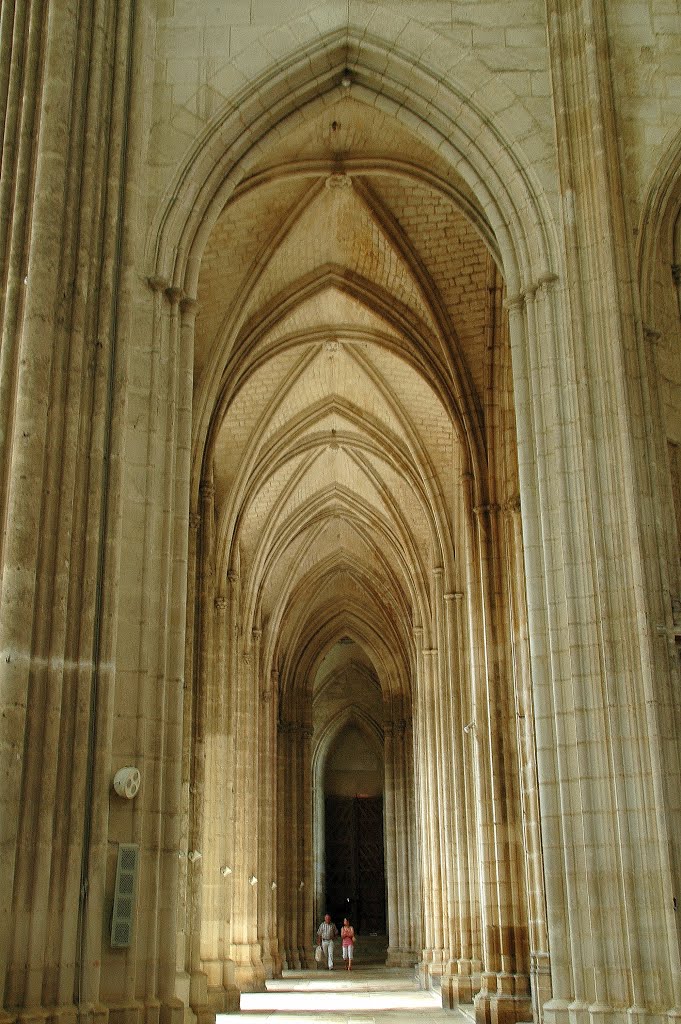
[124,895]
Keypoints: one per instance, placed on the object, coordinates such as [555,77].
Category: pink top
[348,935]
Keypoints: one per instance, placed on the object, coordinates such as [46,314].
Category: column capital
[294,728]
[547,280]
[487,509]
[158,284]
[515,302]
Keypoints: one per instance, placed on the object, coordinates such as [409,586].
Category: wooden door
[355,867]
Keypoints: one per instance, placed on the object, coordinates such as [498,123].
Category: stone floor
[369,995]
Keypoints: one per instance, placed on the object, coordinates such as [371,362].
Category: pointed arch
[659,216]
[349,715]
[508,196]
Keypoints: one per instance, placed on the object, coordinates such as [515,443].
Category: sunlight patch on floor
[340,1001]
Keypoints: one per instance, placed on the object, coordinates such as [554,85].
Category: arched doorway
[355,473]
[354,851]
[348,785]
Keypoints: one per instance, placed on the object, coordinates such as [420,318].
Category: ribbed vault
[342,346]
[352,432]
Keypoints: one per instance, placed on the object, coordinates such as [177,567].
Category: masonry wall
[97,542]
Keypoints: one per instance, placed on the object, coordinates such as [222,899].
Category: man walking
[326,933]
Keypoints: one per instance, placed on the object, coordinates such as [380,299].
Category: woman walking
[348,942]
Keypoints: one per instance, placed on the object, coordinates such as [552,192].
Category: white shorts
[347,952]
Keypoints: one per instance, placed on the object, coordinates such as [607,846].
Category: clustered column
[74,105]
[295,844]
[402,886]
[468,779]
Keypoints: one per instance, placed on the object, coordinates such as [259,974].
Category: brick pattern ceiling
[342,350]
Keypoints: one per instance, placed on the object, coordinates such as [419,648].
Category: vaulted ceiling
[343,370]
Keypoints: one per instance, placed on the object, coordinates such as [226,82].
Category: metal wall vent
[124,895]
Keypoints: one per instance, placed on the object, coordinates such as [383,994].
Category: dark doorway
[355,871]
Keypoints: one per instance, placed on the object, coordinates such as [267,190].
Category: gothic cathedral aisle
[340,420]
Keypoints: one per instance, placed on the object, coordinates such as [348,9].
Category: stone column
[319,852]
[162,686]
[269,826]
[184,923]
[391,839]
[183,641]
[413,859]
[504,993]
[245,949]
[203,695]
[216,844]
[540,964]
[423,806]
[231,684]
[462,978]
[71,117]
[475,669]
[444,781]
[409,897]
[603,684]
[295,847]
[303,774]
[430,811]
[289,871]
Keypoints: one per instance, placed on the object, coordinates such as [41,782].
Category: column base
[224,999]
[291,959]
[396,957]
[67,1014]
[460,983]
[249,973]
[503,999]
[560,1011]
[198,998]
[267,965]
[270,957]
[431,967]
[171,1011]
[541,988]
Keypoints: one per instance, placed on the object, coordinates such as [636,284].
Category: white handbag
[319,954]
